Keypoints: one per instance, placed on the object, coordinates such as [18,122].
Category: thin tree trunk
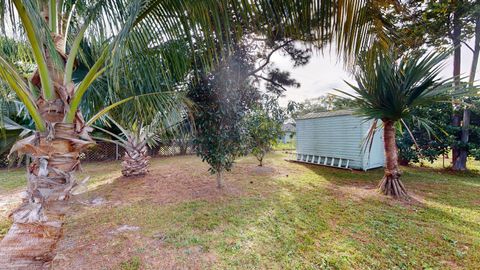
[457,57]
[136,159]
[391,184]
[260,159]
[460,163]
[183,148]
[220,179]
[461,160]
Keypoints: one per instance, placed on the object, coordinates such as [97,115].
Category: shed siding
[337,136]
[376,157]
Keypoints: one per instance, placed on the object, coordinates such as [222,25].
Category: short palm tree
[135,137]
[137,130]
[387,90]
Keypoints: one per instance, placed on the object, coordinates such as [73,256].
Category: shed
[336,138]
[288,130]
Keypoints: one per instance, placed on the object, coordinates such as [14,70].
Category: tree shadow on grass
[427,231]
[440,186]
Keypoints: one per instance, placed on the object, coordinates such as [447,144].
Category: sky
[323,74]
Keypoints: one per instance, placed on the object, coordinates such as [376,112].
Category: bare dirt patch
[355,192]
[185,179]
[8,202]
[110,251]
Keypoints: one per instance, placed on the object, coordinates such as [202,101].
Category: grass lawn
[282,216]
[280,146]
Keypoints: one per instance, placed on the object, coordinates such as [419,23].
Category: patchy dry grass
[283,216]
[12,179]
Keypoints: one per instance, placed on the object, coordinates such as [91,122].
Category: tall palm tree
[54,30]
[387,90]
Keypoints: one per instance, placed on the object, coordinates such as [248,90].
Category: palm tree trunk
[136,159]
[37,223]
[391,184]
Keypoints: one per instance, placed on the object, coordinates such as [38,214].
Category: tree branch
[267,61]
[468,46]
[270,81]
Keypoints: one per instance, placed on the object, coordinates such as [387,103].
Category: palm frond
[388,88]
[16,82]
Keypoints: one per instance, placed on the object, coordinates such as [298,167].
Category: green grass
[311,217]
[285,146]
[16,178]
[11,179]
[131,264]
[472,165]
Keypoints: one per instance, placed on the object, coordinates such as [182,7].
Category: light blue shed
[335,138]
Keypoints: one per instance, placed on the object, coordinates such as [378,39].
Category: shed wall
[338,136]
[375,158]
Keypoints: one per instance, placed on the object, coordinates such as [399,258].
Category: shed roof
[325,114]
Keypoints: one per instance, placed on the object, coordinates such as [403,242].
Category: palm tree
[55,30]
[138,137]
[387,90]
[137,131]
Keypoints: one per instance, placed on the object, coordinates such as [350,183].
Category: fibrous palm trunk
[37,223]
[136,159]
[391,184]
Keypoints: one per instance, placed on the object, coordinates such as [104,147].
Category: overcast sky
[323,74]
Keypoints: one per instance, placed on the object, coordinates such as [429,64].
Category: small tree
[134,140]
[222,100]
[388,90]
[263,132]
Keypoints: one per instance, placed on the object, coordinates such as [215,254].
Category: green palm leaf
[388,88]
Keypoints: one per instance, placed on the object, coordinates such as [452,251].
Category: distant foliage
[324,103]
[435,142]
[416,23]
